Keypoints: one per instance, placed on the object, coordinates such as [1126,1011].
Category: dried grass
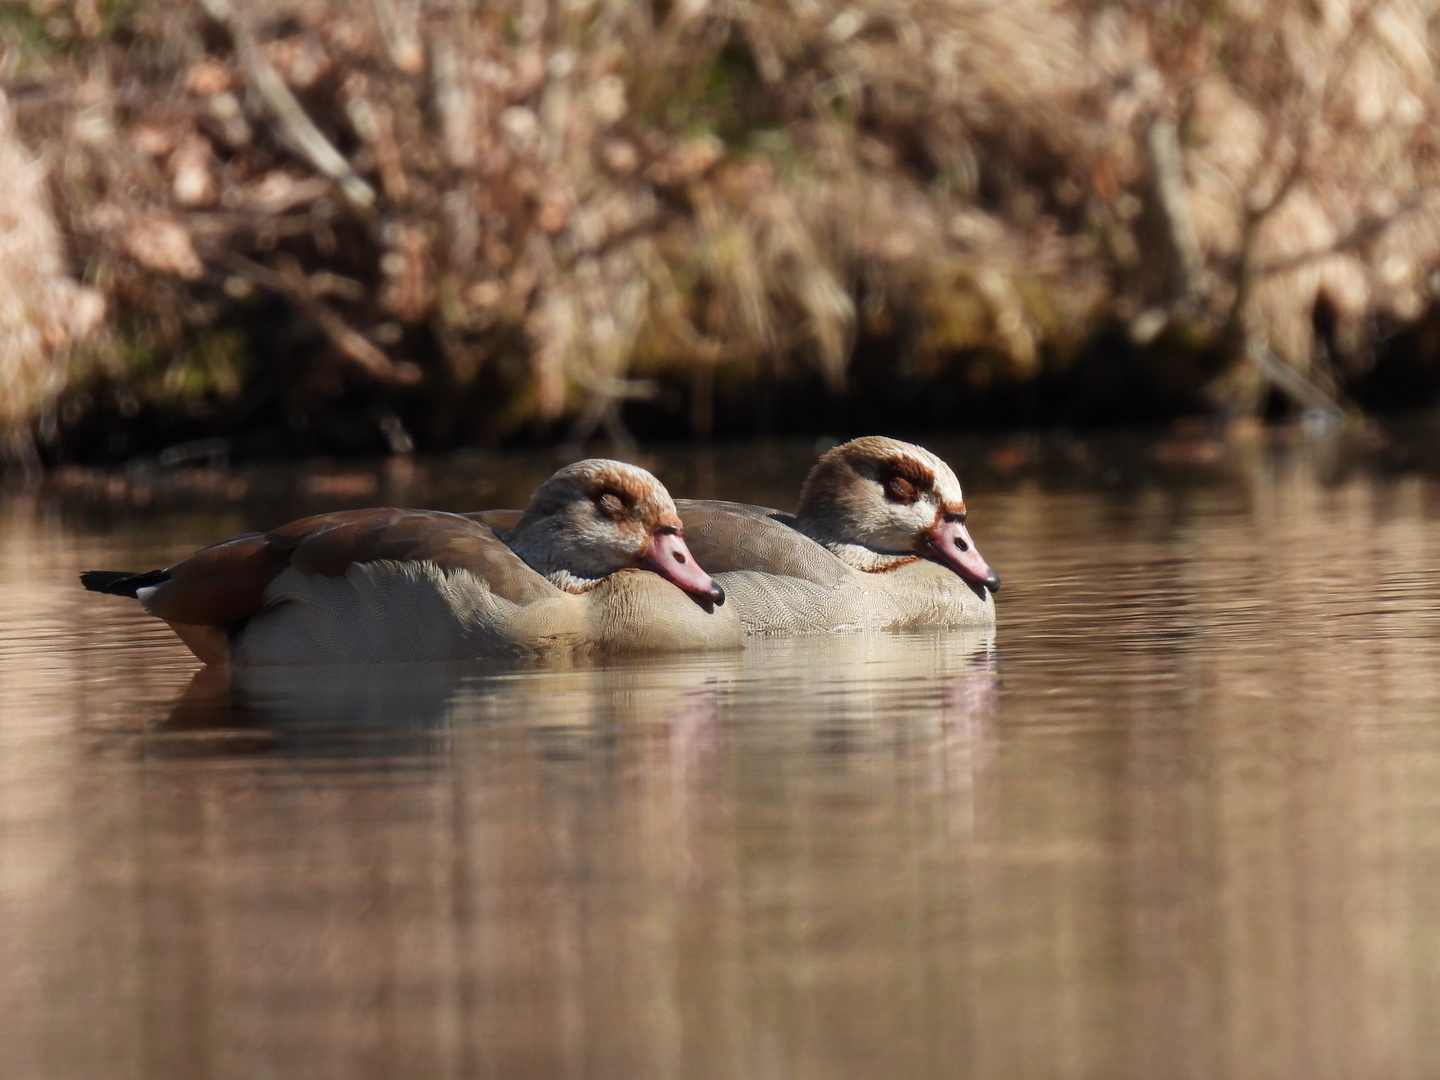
[616,193]
[44,314]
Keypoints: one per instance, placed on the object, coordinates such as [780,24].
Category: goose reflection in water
[866,690]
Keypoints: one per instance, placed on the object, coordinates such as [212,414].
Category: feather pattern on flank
[596,561]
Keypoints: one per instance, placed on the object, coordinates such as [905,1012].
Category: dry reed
[611,194]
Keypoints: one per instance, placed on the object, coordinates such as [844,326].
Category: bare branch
[1357,237]
[397,31]
[1305,135]
[290,282]
[1291,381]
[1163,140]
[304,137]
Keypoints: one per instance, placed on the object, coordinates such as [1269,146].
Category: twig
[619,238]
[374,124]
[455,99]
[299,130]
[1163,140]
[221,224]
[602,409]
[19,449]
[401,41]
[290,282]
[1360,234]
[1247,270]
[1290,380]
[1339,63]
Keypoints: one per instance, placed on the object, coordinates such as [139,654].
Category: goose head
[879,502]
[597,517]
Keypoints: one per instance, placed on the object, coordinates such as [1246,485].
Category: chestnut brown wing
[736,536]
[226,582]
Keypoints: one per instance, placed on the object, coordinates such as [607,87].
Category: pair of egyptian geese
[597,562]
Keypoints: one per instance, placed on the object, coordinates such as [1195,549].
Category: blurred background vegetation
[315,225]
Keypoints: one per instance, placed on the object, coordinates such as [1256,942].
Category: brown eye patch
[900,490]
[904,478]
[611,505]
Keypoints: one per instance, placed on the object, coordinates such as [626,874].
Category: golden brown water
[1180,818]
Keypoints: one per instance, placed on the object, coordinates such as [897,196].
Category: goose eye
[610,505]
[898,489]
[956,519]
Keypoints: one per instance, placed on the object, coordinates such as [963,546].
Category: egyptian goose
[878,542]
[596,563]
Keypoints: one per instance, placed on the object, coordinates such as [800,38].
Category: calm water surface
[1178,817]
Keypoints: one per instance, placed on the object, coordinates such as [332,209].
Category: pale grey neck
[538,544]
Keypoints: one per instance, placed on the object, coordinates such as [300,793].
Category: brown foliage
[611,192]
[44,314]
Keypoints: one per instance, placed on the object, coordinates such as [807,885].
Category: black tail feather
[121,582]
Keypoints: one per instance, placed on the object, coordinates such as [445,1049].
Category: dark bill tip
[717,594]
[993,582]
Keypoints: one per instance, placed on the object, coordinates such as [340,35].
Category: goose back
[782,582]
